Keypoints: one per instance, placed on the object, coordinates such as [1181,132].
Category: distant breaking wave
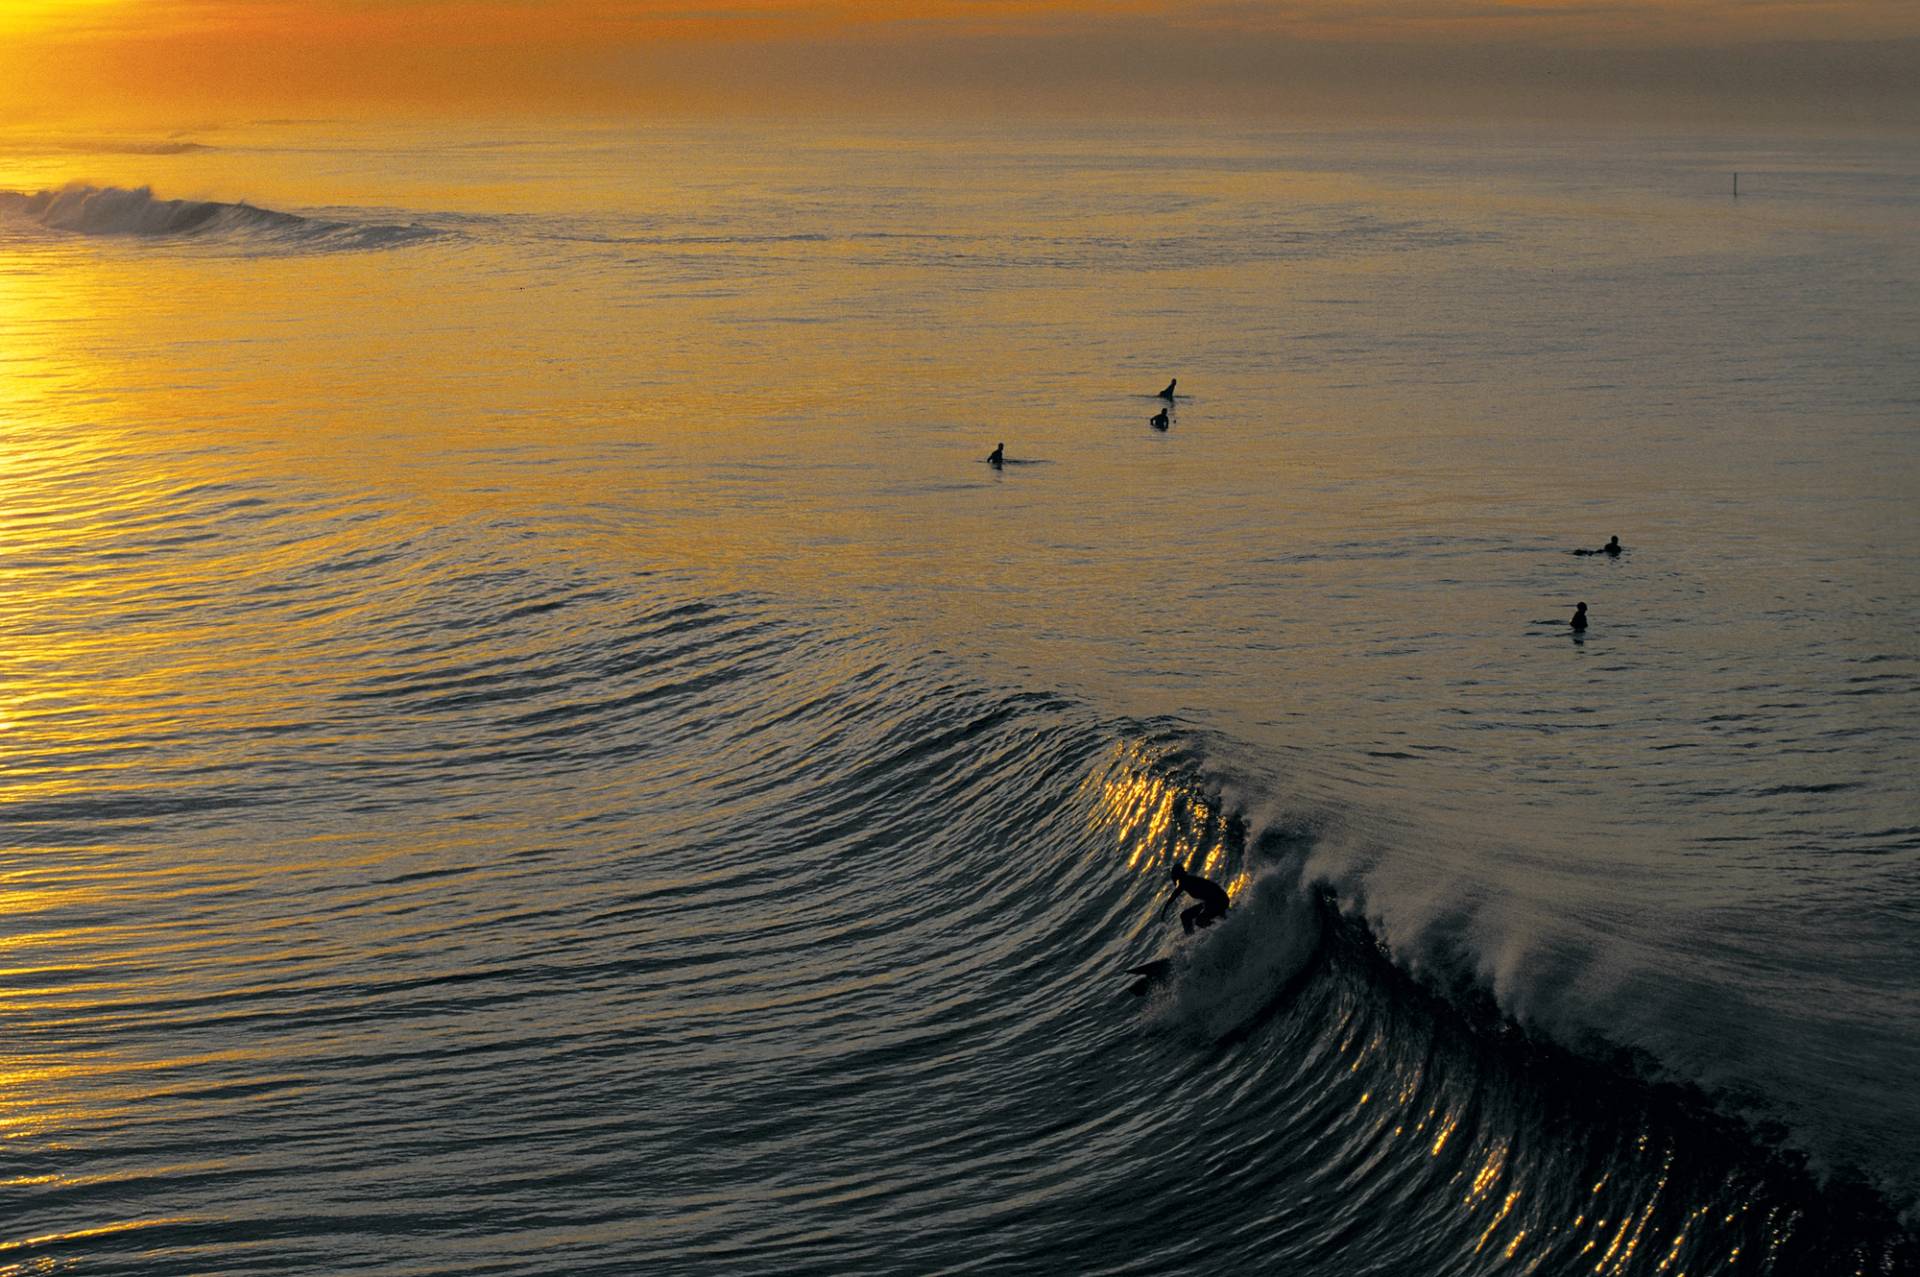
[113,210]
[112,146]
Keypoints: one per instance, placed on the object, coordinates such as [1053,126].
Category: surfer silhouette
[1213,900]
[1579,621]
[1611,549]
[1158,420]
[999,456]
[1168,392]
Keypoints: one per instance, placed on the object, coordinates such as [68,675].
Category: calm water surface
[530,740]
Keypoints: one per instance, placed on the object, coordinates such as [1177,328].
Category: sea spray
[1235,970]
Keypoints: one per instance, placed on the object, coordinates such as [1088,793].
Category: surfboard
[1150,973]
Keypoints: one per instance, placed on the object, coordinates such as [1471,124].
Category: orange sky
[181,58]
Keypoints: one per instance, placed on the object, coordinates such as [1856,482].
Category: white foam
[1235,969]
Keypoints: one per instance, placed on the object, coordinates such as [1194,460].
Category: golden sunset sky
[181,59]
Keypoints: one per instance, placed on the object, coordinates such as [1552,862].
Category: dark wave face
[112,210]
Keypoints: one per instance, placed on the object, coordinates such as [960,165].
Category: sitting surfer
[1158,420]
[1168,392]
[1213,900]
[999,456]
[1579,621]
[1611,549]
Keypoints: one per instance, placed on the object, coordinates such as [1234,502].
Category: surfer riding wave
[1212,898]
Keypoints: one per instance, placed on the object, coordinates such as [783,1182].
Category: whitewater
[532,740]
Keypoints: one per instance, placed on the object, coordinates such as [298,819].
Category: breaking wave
[136,212]
[1415,1084]
[123,146]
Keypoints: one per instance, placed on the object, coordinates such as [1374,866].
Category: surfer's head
[1176,871]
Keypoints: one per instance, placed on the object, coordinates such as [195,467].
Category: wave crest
[83,209]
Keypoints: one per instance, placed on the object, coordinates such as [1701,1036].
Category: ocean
[532,740]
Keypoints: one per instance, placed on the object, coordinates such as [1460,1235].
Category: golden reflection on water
[1158,818]
[1492,1184]
[81,1234]
[33,308]
[1489,1173]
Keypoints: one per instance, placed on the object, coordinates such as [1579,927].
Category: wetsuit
[1213,901]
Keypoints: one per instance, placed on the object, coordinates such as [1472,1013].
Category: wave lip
[84,209]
